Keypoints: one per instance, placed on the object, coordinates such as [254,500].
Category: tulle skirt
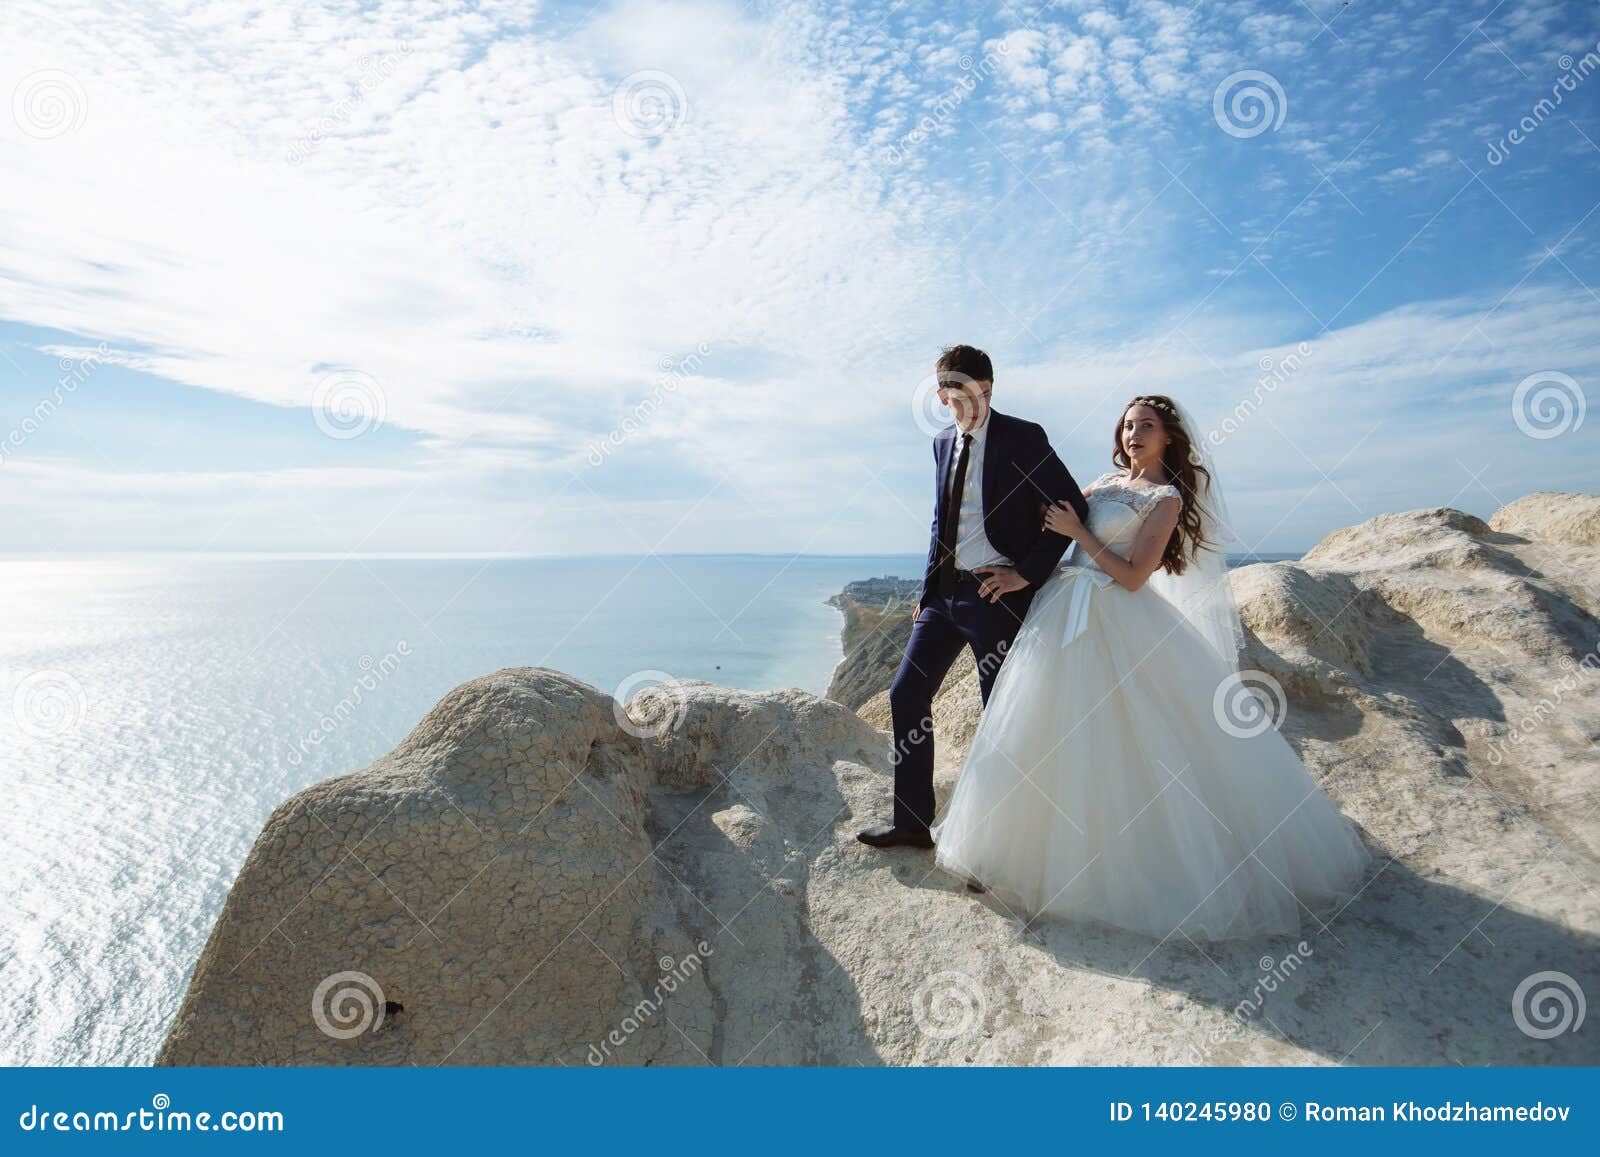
[1114,777]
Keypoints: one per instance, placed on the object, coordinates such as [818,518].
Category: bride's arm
[1142,561]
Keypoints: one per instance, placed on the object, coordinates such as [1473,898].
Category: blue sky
[670,277]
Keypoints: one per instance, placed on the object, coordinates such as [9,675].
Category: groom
[987,557]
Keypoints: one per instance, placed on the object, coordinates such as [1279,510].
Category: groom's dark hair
[968,360]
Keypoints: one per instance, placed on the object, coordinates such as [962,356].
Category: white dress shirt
[973,548]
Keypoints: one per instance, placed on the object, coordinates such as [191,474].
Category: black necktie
[952,518]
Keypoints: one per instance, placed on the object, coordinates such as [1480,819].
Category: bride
[1105,780]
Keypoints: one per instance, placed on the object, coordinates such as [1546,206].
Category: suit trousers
[943,627]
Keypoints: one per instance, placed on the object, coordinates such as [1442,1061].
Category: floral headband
[1155,404]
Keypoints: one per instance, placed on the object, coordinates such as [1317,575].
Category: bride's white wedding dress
[1103,784]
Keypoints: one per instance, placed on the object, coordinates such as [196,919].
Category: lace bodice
[1114,486]
[1116,511]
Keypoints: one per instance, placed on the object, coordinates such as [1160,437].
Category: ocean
[158,708]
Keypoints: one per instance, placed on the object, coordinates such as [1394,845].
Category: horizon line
[470,556]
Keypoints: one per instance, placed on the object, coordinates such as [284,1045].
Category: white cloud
[1408,403]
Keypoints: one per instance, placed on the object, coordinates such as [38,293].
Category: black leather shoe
[890,836]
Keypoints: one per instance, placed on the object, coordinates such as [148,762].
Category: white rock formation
[526,881]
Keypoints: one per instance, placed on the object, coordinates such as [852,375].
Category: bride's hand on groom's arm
[1062,519]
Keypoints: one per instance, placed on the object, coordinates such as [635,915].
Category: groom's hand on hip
[998,581]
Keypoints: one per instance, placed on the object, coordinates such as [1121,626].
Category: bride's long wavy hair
[1184,471]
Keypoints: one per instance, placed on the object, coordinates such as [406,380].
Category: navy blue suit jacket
[1020,471]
